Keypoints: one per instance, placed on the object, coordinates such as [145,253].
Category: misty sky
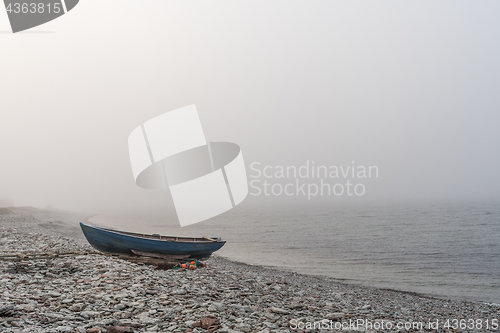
[412,87]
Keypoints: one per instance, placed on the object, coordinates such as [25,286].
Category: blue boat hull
[113,241]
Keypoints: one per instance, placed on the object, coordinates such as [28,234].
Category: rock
[120,306]
[126,315]
[89,314]
[6,309]
[219,306]
[119,329]
[335,315]
[272,325]
[94,330]
[278,310]
[142,315]
[243,308]
[178,292]
[146,320]
[125,322]
[53,293]
[244,327]
[209,323]
[29,307]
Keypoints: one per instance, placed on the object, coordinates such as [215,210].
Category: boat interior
[169,238]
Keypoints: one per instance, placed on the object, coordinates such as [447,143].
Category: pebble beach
[75,289]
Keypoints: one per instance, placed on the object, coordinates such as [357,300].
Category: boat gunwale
[157,238]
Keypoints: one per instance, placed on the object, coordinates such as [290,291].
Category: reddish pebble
[94,330]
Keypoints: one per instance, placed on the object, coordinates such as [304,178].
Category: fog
[410,87]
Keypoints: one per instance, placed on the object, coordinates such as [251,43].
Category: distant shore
[88,293]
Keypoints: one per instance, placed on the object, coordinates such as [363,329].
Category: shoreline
[380,248]
[52,214]
[348,282]
[85,292]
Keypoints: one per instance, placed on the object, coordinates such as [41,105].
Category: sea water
[443,250]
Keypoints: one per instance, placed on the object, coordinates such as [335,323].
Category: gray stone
[335,315]
[244,327]
[178,292]
[278,310]
[119,306]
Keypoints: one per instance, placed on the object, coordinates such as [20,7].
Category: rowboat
[167,247]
